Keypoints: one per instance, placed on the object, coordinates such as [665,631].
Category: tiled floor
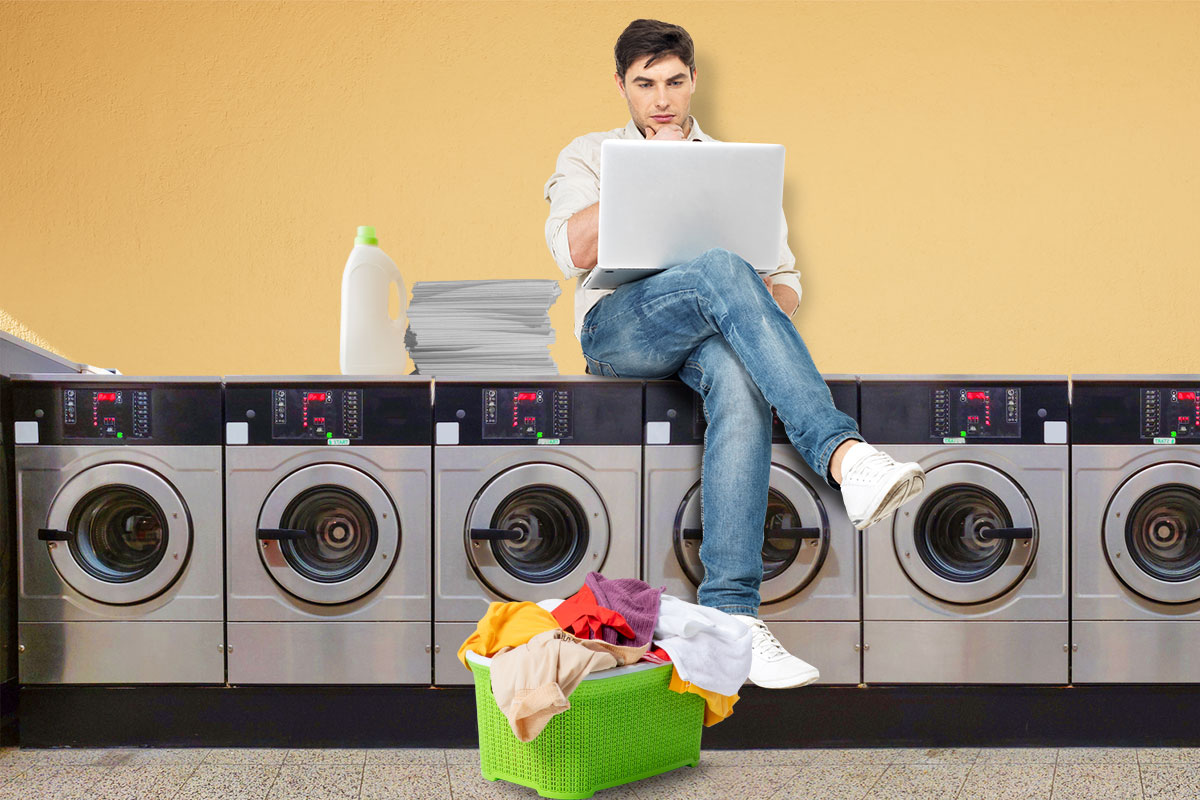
[879,774]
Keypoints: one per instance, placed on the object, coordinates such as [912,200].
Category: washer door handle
[1005,533]
[51,535]
[281,533]
[495,534]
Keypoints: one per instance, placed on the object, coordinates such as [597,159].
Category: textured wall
[971,187]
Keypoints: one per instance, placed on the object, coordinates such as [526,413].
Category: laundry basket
[623,725]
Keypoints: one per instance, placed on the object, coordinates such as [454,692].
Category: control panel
[1169,413]
[978,412]
[106,413]
[521,413]
[316,414]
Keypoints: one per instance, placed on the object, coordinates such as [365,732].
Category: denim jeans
[713,323]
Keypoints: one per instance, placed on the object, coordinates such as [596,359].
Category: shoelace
[765,642]
[871,467]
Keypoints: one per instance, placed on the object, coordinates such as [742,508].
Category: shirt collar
[697,135]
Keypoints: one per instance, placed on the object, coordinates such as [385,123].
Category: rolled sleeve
[787,274]
[574,186]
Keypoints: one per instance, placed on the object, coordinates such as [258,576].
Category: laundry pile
[482,328]
[541,651]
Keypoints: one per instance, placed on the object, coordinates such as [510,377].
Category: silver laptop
[665,203]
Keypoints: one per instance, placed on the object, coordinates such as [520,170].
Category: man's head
[656,74]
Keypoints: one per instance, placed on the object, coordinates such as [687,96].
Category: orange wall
[998,187]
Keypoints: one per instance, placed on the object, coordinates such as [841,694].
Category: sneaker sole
[900,494]
[804,679]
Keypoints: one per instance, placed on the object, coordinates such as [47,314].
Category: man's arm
[574,193]
[583,231]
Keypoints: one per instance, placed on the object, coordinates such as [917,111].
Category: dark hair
[649,37]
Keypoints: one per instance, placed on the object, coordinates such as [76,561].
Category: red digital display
[526,397]
[1186,395]
[315,397]
[977,396]
[106,397]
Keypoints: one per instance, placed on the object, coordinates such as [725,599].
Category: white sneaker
[874,485]
[771,666]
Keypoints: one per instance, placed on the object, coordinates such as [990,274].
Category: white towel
[709,648]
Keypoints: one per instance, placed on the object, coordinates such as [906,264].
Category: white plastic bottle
[372,342]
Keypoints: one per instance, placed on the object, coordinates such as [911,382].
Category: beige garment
[575,185]
[531,683]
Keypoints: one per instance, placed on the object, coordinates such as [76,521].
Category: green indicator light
[539,434]
[1173,434]
[329,434]
[962,433]
[122,436]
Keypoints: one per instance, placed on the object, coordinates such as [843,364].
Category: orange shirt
[506,625]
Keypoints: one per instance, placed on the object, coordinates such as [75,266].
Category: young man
[725,332]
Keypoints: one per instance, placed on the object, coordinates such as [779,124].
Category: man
[727,334]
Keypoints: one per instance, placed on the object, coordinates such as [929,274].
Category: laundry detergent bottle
[372,342]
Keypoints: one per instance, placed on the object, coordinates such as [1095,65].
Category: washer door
[328,534]
[1152,533]
[795,536]
[119,534]
[536,528]
[973,537]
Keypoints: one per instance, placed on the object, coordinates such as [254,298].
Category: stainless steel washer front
[795,536]
[1152,533]
[536,525]
[347,534]
[125,534]
[948,547]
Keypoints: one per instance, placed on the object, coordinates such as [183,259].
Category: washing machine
[119,517]
[327,485]
[1135,454]
[968,582]
[810,550]
[536,484]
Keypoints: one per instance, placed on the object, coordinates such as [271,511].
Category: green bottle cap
[366,235]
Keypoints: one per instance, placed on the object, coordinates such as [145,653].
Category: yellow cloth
[507,625]
[716,706]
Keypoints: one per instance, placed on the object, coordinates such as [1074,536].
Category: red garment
[657,656]
[580,615]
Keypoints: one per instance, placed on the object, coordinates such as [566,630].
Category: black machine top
[679,406]
[1145,409]
[587,411]
[964,410]
[331,410]
[90,409]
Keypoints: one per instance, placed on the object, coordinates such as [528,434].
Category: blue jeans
[713,322]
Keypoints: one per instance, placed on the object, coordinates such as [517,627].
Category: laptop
[665,203]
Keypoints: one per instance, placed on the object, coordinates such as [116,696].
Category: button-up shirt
[575,185]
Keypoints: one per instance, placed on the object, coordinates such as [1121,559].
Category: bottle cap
[366,235]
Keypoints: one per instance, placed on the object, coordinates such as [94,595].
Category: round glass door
[795,536]
[1152,533]
[534,531]
[973,537]
[328,534]
[119,534]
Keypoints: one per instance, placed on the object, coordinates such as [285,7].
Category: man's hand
[785,296]
[667,133]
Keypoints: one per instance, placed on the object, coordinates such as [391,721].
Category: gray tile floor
[870,774]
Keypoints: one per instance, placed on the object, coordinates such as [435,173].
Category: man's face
[659,94]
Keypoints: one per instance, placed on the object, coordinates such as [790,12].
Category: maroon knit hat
[632,599]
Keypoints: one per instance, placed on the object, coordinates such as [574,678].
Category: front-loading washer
[810,550]
[968,582]
[327,484]
[1135,457]
[119,511]
[536,484]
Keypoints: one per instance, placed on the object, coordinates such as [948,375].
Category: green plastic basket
[623,725]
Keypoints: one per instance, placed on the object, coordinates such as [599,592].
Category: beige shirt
[575,185]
